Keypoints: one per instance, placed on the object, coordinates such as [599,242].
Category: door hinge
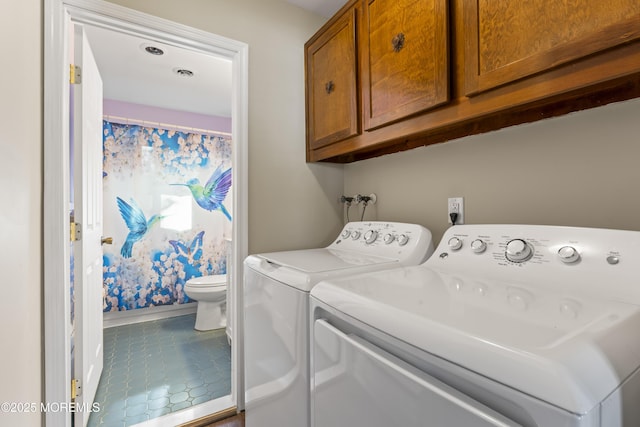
[75,231]
[75,74]
[76,389]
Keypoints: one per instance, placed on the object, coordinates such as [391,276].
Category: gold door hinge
[75,230]
[76,389]
[75,74]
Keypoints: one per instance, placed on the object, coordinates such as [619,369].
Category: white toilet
[211,294]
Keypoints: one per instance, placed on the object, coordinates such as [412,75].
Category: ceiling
[130,74]
[325,8]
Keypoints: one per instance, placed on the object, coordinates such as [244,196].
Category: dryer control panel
[601,261]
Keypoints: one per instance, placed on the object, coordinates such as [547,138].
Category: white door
[87,135]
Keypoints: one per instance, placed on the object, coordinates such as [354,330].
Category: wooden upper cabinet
[389,75]
[332,90]
[404,59]
[507,40]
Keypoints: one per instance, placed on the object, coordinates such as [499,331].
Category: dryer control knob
[478,246]
[518,251]
[370,236]
[403,239]
[345,234]
[454,243]
[568,254]
[389,238]
[355,235]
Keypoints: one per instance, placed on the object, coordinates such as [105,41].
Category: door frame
[58,15]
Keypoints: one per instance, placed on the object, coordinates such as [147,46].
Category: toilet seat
[207,285]
[215,281]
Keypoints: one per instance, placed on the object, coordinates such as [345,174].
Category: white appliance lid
[323,259]
[571,351]
[302,269]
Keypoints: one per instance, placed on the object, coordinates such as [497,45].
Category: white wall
[291,204]
[581,169]
[21,208]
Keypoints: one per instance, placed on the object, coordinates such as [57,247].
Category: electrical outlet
[455,205]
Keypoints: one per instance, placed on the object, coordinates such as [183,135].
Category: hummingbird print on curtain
[136,223]
[211,196]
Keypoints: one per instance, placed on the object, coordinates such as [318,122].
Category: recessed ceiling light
[183,72]
[154,50]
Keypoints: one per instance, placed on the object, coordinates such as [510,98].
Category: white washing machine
[505,325]
[276,310]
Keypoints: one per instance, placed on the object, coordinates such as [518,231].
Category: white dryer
[276,310]
[505,325]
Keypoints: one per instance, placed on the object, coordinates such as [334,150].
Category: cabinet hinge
[75,231]
[75,74]
[76,389]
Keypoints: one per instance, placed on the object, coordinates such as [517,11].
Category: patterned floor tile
[154,368]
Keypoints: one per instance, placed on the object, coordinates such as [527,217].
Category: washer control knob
[613,259]
[478,246]
[355,235]
[345,234]
[403,239]
[518,251]
[454,243]
[568,254]
[370,236]
[389,238]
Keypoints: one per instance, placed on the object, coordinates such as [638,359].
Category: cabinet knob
[398,42]
[329,87]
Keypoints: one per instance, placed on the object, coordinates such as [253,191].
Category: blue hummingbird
[210,196]
[136,222]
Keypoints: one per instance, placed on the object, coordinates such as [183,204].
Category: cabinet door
[510,39]
[405,59]
[332,92]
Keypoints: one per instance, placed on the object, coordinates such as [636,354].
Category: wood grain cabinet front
[508,40]
[405,69]
[332,84]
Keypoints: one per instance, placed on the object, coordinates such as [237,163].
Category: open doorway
[60,14]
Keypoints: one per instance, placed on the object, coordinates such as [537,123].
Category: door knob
[107,240]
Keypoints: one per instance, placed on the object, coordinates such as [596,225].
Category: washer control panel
[390,239]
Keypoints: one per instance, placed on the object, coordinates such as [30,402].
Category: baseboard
[195,416]
[120,318]
[209,419]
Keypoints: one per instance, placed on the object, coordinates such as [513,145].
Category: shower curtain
[167,204]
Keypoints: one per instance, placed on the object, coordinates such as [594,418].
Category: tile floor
[154,368]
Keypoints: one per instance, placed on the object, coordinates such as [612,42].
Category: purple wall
[137,113]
